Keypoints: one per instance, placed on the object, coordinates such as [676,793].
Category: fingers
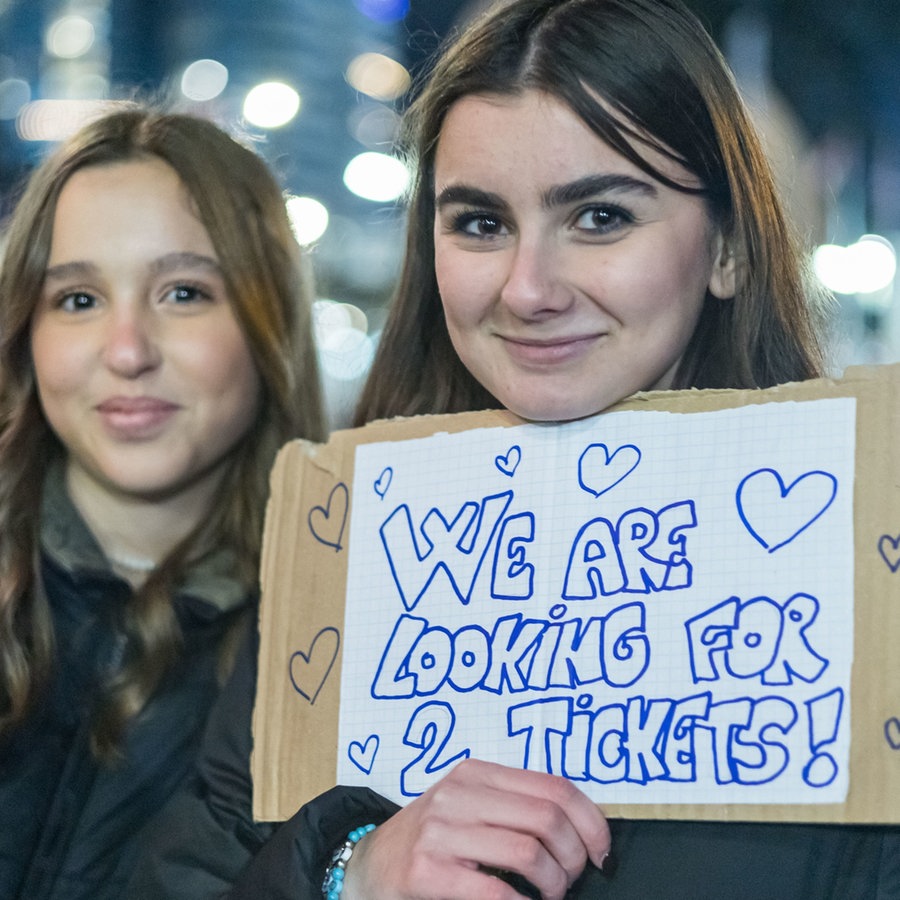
[539,826]
[482,817]
[554,795]
[394,863]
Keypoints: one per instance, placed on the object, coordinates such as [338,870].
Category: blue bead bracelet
[334,874]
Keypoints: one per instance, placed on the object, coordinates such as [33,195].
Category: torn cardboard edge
[304,586]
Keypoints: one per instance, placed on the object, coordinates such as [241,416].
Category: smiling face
[569,278]
[142,369]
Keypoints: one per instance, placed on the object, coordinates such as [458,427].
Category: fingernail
[608,864]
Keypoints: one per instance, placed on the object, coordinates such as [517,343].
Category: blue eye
[77,301]
[187,293]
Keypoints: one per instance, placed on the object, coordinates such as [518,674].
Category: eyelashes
[476,223]
[602,218]
[594,220]
[178,294]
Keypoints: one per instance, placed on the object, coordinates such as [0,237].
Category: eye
[478,225]
[601,220]
[75,301]
[181,294]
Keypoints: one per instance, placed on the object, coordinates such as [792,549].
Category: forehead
[128,179]
[142,196]
[537,136]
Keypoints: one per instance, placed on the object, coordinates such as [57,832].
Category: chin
[556,412]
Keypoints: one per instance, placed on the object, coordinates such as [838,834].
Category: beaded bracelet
[334,874]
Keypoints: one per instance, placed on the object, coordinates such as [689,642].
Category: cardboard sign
[688,605]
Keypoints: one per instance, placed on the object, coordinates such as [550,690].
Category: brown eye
[602,219]
[479,225]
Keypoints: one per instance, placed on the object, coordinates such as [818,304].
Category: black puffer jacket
[70,829]
[206,845]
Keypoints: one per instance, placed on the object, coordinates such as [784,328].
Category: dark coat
[206,845]
[70,828]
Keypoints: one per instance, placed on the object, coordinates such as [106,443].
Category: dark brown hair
[640,73]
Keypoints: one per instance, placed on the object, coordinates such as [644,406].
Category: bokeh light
[376,176]
[374,126]
[345,349]
[309,219]
[865,267]
[55,120]
[271,104]
[70,37]
[378,76]
[204,79]
[383,10]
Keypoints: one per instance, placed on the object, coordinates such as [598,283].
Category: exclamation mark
[824,719]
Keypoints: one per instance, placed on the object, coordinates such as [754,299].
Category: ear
[723,276]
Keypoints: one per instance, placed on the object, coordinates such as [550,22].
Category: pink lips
[550,351]
[135,417]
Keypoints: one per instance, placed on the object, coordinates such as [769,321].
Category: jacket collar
[67,540]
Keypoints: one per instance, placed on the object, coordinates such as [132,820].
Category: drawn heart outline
[806,509]
[510,462]
[600,471]
[325,520]
[383,482]
[892,560]
[362,755]
[309,671]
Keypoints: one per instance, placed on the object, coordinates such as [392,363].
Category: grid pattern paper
[656,605]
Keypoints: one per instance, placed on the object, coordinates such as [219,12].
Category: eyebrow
[173,261]
[170,262]
[64,271]
[591,185]
[557,195]
[469,196]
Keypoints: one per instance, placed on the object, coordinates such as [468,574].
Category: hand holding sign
[435,841]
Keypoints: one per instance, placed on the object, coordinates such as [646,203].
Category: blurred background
[317,86]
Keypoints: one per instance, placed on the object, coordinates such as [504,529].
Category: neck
[136,532]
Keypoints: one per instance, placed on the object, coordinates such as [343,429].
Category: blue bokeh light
[383,10]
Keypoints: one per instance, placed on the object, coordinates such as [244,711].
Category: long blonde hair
[241,206]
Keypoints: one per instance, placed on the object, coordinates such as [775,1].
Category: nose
[131,347]
[533,287]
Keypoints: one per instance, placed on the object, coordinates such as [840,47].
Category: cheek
[465,289]
[224,372]
[673,287]
[56,363]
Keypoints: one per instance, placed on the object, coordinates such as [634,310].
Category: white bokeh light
[204,79]
[271,104]
[345,348]
[865,267]
[309,218]
[55,120]
[376,176]
[70,37]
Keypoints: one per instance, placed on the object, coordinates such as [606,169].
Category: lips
[549,351]
[136,417]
